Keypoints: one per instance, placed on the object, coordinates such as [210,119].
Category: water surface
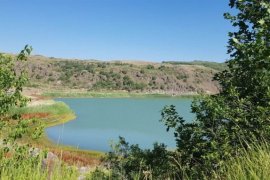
[102,120]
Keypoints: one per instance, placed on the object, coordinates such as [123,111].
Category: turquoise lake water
[100,121]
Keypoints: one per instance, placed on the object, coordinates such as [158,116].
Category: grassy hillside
[214,65]
[170,77]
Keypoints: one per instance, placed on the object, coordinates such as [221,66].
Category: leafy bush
[162,67]
[11,85]
[124,71]
[104,85]
[131,162]
[102,65]
[51,79]
[38,76]
[98,174]
[162,87]
[149,66]
[229,121]
[90,68]
[182,76]
[128,84]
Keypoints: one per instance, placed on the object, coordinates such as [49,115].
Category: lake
[100,121]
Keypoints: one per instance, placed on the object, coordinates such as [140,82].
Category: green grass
[213,65]
[58,108]
[65,94]
[252,164]
[59,113]
[31,168]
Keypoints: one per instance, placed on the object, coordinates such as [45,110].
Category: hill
[168,77]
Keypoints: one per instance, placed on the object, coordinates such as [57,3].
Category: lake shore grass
[56,114]
[112,94]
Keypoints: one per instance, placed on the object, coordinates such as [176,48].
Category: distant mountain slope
[166,77]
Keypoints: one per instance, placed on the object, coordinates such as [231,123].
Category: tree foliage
[131,162]
[12,81]
[240,113]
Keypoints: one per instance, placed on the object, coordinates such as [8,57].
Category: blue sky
[152,30]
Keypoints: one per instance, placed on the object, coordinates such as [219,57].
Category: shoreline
[58,113]
[61,121]
[69,115]
[114,94]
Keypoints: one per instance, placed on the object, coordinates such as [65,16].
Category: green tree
[12,81]
[240,113]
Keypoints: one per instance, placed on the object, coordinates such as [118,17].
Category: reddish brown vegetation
[8,155]
[77,158]
[35,115]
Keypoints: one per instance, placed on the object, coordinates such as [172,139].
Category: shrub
[129,84]
[149,66]
[38,76]
[102,65]
[131,162]
[124,72]
[51,79]
[182,76]
[162,67]
[162,87]
[104,85]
